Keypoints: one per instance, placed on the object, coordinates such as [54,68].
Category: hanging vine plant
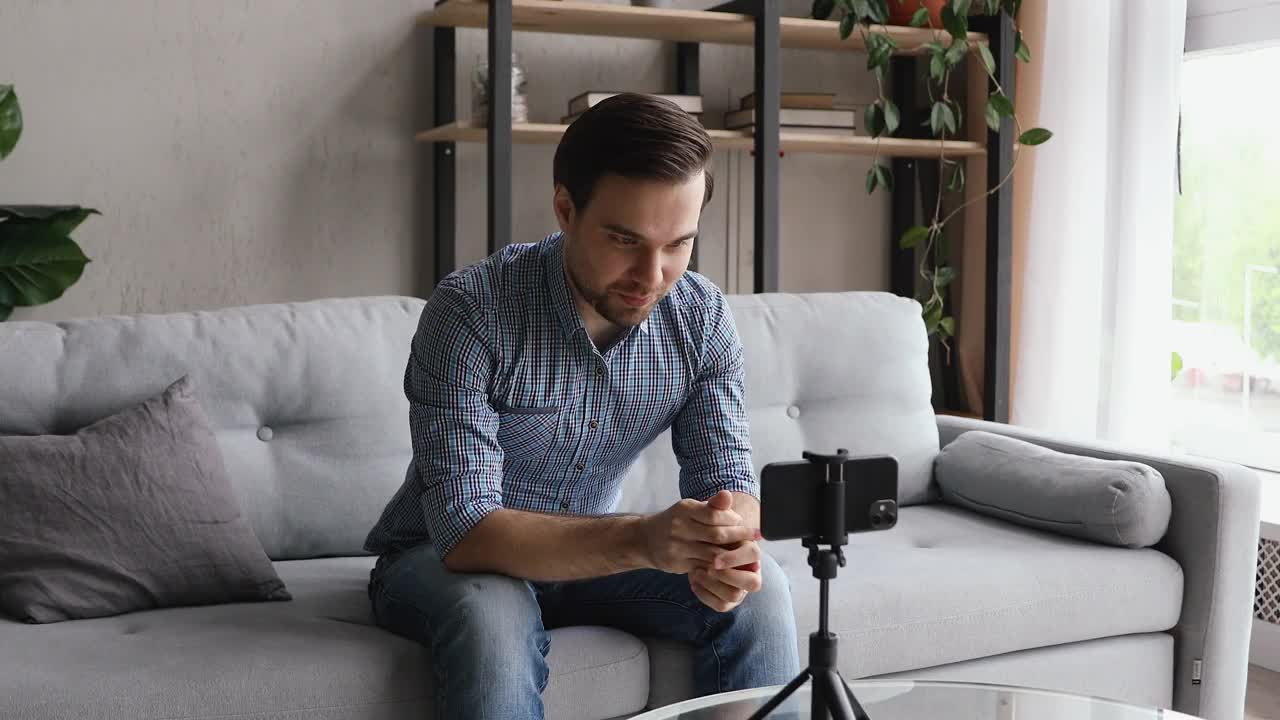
[882,117]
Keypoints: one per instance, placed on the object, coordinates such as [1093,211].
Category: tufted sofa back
[307,403]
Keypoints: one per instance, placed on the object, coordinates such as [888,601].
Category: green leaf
[10,120]
[60,219]
[961,7]
[913,237]
[937,68]
[846,26]
[988,60]
[993,118]
[942,117]
[921,18]
[948,326]
[993,7]
[36,266]
[1000,103]
[956,182]
[873,178]
[884,176]
[957,51]
[932,315]
[891,116]
[862,8]
[1035,136]
[1020,49]
[822,9]
[879,11]
[1175,362]
[955,24]
[944,276]
[873,118]
[5,311]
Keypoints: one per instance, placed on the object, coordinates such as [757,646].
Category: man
[535,379]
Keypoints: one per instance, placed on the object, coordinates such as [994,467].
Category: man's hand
[693,534]
[723,583]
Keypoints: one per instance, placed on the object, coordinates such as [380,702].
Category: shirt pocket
[527,433]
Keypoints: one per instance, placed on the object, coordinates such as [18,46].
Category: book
[804,130]
[578,104]
[736,119]
[810,101]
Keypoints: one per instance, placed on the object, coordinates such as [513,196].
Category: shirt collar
[561,296]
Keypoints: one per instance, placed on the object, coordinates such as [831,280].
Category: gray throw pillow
[132,512]
[1116,502]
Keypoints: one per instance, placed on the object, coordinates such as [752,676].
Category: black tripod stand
[831,697]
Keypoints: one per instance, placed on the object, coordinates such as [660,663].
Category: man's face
[631,243]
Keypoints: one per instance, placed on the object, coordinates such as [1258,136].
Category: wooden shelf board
[587,18]
[792,141]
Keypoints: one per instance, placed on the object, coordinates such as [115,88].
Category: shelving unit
[756,23]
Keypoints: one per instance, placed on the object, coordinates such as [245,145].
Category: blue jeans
[488,634]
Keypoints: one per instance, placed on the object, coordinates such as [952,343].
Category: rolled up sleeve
[452,422]
[710,435]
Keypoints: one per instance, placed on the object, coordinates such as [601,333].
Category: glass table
[919,700]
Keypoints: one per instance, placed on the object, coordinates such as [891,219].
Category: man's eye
[623,240]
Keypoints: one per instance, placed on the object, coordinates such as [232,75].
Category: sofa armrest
[1213,535]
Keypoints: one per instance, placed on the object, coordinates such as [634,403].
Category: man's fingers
[725,592]
[739,579]
[710,515]
[747,552]
[718,534]
[706,598]
[722,500]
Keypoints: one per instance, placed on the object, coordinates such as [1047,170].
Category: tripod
[831,696]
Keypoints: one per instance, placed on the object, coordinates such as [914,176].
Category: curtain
[1093,221]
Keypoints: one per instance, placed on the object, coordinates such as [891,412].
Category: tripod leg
[858,712]
[833,692]
[782,695]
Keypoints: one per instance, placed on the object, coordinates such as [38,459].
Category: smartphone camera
[884,514]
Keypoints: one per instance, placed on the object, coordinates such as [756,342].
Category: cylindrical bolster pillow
[1117,502]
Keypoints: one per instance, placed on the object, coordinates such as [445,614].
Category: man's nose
[649,270]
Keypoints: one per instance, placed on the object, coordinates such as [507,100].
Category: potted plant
[38,258]
[945,55]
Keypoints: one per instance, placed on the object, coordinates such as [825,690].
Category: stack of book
[813,113]
[692,104]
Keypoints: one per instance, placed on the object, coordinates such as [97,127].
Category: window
[1226,260]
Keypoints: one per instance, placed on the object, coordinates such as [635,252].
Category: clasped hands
[710,542]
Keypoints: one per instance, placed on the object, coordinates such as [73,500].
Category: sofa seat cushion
[318,656]
[992,587]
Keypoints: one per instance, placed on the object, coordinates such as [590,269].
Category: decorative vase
[900,11]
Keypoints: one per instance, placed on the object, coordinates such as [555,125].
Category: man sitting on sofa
[534,380]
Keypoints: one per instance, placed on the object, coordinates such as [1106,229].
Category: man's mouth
[634,300]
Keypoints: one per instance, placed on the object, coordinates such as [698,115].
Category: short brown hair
[635,136]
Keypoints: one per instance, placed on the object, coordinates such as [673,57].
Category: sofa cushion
[1117,502]
[316,657]
[132,512]
[305,400]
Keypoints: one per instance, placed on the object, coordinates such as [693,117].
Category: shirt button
[593,424]
[599,372]
[578,467]
[564,505]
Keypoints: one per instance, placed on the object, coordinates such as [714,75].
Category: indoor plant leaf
[961,7]
[61,219]
[884,176]
[10,120]
[1020,49]
[944,276]
[913,237]
[988,60]
[36,267]
[874,119]
[955,24]
[948,326]
[1035,136]
[920,18]
[891,116]
[846,26]
[872,178]
[957,178]
[1001,104]
[993,118]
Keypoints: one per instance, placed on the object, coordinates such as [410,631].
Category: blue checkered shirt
[511,405]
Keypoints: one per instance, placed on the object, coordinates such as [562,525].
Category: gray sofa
[947,594]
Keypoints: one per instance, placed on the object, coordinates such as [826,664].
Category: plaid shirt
[512,405]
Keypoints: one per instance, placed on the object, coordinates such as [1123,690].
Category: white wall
[1214,25]
[262,152]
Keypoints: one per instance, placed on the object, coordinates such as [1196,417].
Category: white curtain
[1091,345]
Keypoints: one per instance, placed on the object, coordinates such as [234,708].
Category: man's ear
[563,204]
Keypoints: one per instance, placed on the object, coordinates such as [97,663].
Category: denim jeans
[488,634]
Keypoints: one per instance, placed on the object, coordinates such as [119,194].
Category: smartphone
[791,496]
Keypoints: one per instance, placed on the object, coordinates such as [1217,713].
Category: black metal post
[443,154]
[687,83]
[998,346]
[499,124]
[902,262]
[768,96]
